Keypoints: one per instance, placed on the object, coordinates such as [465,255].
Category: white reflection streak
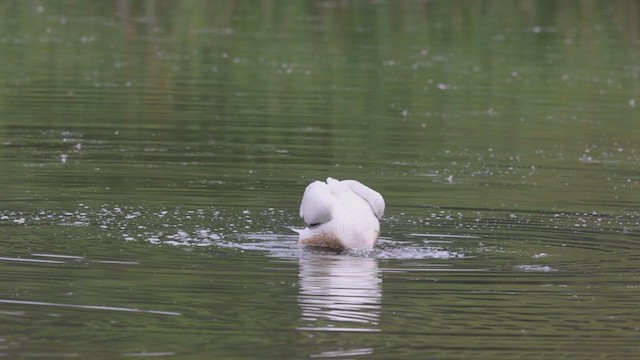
[338,290]
[31,260]
[90,307]
[343,353]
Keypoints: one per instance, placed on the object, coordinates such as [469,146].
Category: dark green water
[153,155]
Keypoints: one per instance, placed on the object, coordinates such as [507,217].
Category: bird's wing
[369,195]
[317,203]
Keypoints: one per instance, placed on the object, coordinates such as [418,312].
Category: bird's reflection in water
[339,293]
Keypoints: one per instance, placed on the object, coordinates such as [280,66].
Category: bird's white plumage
[375,200]
[316,205]
[341,214]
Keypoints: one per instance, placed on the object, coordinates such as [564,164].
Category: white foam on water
[535,268]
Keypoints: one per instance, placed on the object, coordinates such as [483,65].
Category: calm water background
[153,155]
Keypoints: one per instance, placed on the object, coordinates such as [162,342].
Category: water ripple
[89,307]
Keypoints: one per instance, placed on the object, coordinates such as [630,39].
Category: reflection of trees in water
[340,290]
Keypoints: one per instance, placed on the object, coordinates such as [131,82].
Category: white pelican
[341,215]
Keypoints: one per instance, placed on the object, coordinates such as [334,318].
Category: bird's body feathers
[341,214]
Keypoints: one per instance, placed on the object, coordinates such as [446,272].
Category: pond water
[153,156]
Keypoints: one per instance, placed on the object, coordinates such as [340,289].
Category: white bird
[341,214]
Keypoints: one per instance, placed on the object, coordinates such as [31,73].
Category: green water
[153,155]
